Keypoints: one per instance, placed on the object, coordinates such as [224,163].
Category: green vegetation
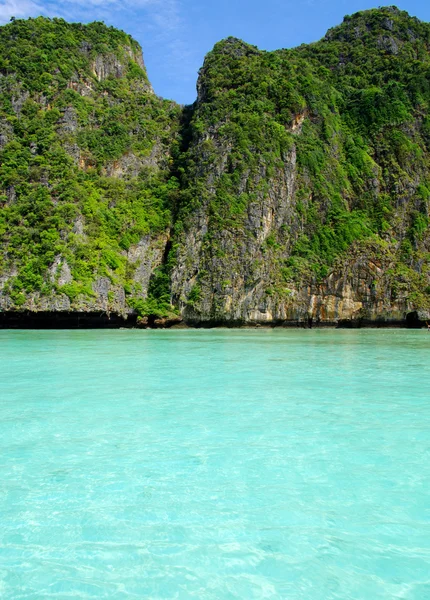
[354,107]
[84,173]
[292,161]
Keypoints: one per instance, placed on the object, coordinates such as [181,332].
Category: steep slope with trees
[294,190]
[85,169]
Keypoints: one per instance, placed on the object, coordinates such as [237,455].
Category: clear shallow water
[215,464]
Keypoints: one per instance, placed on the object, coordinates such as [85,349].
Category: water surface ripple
[215,464]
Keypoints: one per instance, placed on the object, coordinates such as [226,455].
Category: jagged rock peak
[368,24]
[234,47]
[54,45]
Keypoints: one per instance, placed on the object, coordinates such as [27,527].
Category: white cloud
[163,13]
[19,9]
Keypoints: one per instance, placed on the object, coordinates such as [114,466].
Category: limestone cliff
[311,182]
[85,169]
[295,190]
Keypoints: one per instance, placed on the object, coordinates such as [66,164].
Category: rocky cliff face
[85,170]
[310,184]
[295,190]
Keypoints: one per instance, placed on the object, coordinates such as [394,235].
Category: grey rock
[11,194]
[146,256]
[60,272]
[388,24]
[85,47]
[6,133]
[78,226]
[55,303]
[130,165]
[389,44]
[68,122]
[106,65]
[101,287]
[18,101]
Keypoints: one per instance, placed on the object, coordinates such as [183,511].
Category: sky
[175,35]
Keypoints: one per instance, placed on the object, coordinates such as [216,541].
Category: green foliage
[354,108]
[195,294]
[83,173]
[93,164]
[44,54]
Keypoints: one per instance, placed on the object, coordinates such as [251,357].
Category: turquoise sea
[215,464]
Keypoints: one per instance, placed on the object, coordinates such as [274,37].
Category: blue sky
[176,34]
